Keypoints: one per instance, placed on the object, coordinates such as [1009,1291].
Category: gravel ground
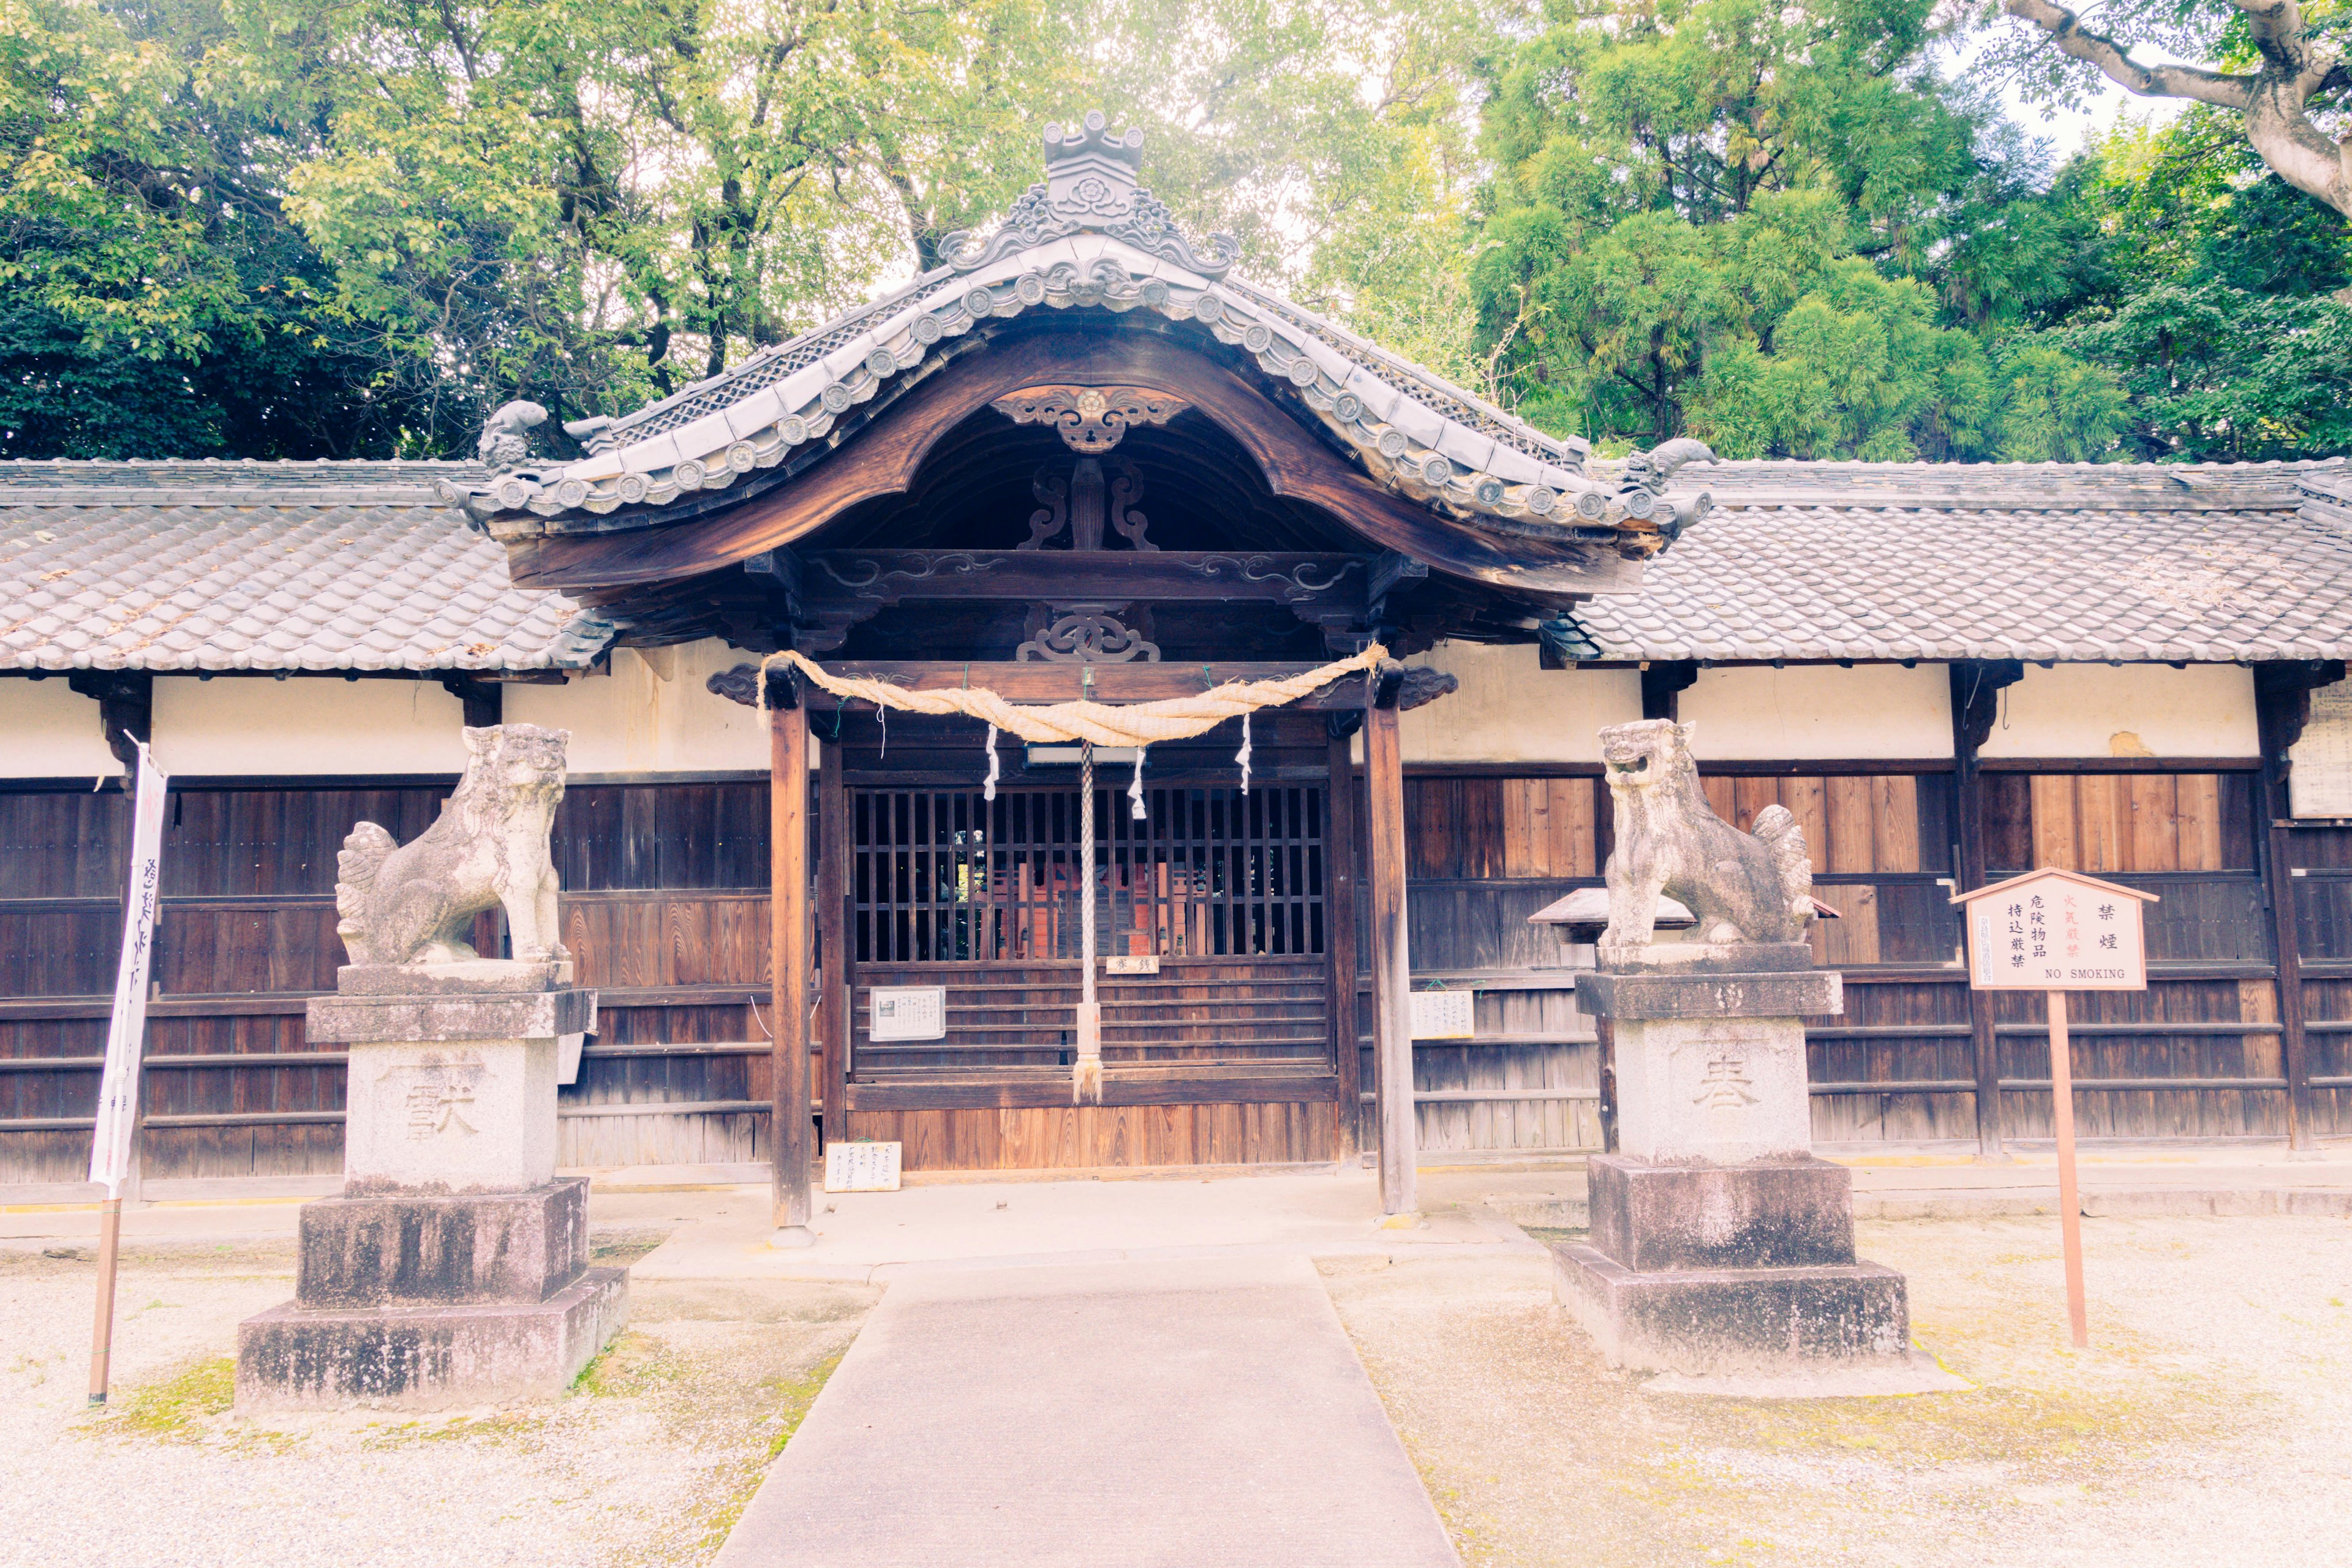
[647,1461]
[2207,1426]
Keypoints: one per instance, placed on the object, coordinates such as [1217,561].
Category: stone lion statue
[1670,842]
[411,903]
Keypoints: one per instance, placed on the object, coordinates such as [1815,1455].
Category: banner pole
[2070,1204]
[101,1334]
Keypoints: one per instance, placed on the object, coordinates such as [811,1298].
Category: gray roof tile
[165,566]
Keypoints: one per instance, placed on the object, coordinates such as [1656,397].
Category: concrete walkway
[1191,1412]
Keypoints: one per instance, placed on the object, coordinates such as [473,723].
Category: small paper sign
[1131,964]
[861,1167]
[909,1013]
[1444,1014]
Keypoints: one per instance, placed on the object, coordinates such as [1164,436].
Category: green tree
[2218,297]
[154,297]
[1773,228]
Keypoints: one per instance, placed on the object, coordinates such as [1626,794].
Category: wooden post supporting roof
[789,1140]
[1391,972]
[2282,707]
[1976,701]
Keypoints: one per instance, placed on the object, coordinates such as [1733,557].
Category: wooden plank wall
[2196,1056]
[2321,870]
[665,907]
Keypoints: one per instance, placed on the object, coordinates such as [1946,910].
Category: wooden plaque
[1443,1014]
[2056,931]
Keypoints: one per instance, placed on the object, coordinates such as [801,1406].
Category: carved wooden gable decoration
[1293,464]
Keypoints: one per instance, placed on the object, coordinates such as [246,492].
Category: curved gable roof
[1089,239]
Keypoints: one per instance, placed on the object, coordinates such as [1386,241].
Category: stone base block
[1727,1091]
[475,1117]
[1718,1322]
[1766,1214]
[413,1249]
[427,1358]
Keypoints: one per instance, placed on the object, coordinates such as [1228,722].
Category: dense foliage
[277,227]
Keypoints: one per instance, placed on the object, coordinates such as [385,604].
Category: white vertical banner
[117,1093]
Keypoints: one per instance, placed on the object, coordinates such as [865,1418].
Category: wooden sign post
[2055,932]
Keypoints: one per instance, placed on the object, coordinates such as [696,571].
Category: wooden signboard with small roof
[2054,932]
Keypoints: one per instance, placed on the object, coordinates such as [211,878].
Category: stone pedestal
[453,1269]
[1718,1244]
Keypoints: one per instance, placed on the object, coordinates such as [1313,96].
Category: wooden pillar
[1391,972]
[788,898]
[1976,702]
[2282,706]
[833,1012]
[1343,852]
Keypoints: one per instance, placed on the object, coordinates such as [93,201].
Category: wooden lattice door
[1226,890]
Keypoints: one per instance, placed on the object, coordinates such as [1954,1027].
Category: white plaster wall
[1757,713]
[49,731]
[306,724]
[651,714]
[1511,709]
[2126,710]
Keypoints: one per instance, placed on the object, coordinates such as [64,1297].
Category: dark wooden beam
[1392,571]
[2282,708]
[883,458]
[126,708]
[1125,576]
[1662,683]
[485,701]
[1977,686]
[789,1138]
[1392,963]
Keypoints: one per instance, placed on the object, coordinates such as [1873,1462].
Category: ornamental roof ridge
[1091,187]
[1089,237]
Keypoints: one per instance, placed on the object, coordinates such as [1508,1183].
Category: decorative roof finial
[1090,171]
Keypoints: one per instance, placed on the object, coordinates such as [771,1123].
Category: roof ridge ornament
[1090,172]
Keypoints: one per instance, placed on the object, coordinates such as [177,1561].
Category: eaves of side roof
[196,567]
[1875,563]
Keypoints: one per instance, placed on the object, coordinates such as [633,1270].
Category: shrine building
[1084,458]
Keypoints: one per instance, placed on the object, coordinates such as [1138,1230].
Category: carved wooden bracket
[1090,419]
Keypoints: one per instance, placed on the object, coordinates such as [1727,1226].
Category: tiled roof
[229,567]
[358,566]
[1834,561]
[1087,240]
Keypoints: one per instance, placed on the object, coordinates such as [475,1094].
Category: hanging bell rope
[1086,1076]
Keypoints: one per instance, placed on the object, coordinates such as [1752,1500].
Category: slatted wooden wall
[2197,1055]
[665,907]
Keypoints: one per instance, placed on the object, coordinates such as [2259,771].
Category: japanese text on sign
[909,1013]
[2056,933]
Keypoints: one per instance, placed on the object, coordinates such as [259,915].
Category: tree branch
[2101,49]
